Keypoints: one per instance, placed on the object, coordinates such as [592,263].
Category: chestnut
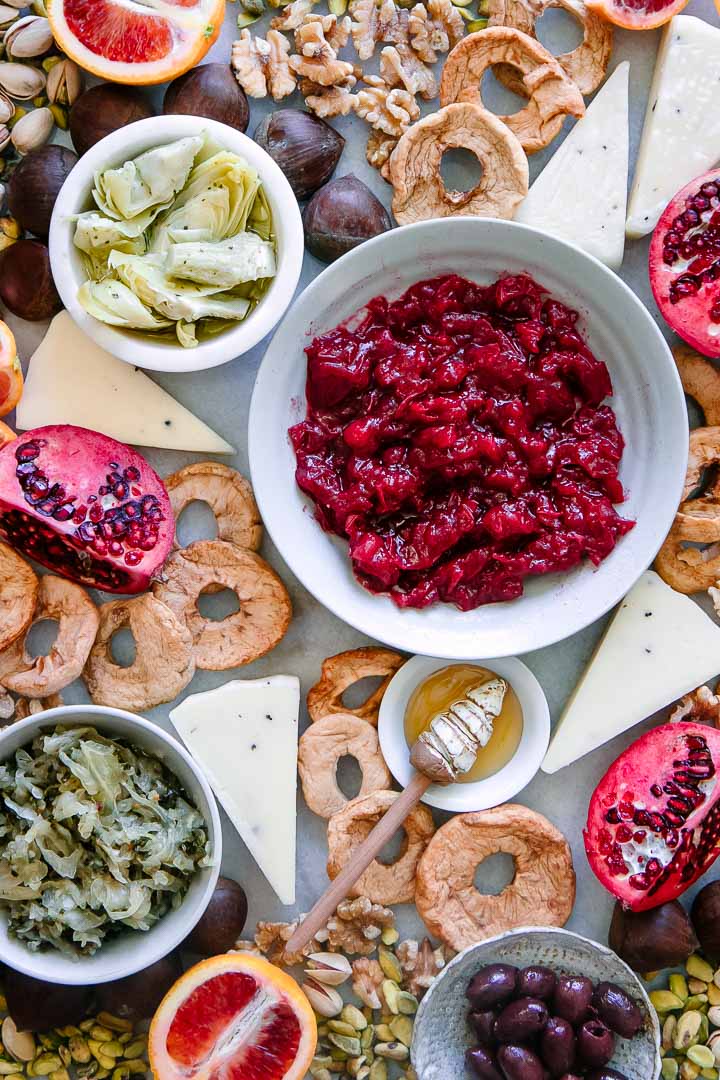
[306,148]
[492,986]
[35,1005]
[595,1043]
[617,1009]
[483,1024]
[222,922]
[705,916]
[482,1063]
[519,1063]
[651,940]
[26,282]
[536,982]
[558,1046]
[340,216]
[209,90]
[521,1020]
[572,998]
[35,184]
[103,109]
[137,996]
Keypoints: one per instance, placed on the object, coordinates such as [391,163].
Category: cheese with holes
[681,135]
[244,735]
[581,194]
[658,646]
[71,380]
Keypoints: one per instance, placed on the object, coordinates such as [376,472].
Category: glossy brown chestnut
[103,109]
[222,921]
[306,148]
[35,184]
[35,1005]
[26,282]
[652,940]
[340,216]
[210,90]
[138,996]
[705,916]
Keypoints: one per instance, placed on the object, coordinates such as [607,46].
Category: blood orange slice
[637,14]
[233,1017]
[136,41]
[11,376]
[6,434]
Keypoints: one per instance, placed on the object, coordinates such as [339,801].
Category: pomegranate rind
[181,37]
[651,763]
[276,987]
[11,376]
[617,13]
[689,317]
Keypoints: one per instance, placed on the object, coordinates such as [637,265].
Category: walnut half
[261,65]
[316,59]
[389,110]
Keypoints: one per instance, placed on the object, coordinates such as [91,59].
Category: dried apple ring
[586,65]
[77,618]
[701,381]
[553,95]
[164,662]
[419,191]
[245,635]
[227,493]
[321,748]
[18,595]
[698,519]
[386,884]
[687,569]
[339,673]
[542,892]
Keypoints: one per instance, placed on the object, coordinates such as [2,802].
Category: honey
[438,692]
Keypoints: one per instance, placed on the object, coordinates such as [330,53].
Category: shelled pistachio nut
[28,37]
[64,83]
[20,81]
[698,968]
[32,130]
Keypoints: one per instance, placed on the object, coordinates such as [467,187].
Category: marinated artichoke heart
[96,837]
[184,235]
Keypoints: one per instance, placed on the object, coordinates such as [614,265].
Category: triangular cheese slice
[681,135]
[658,646]
[71,380]
[581,194]
[244,736]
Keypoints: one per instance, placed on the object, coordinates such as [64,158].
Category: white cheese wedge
[71,380]
[658,646]
[581,194]
[244,735]
[681,135]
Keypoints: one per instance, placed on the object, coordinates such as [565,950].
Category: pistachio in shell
[306,148]
[340,216]
[35,184]
[212,91]
[103,109]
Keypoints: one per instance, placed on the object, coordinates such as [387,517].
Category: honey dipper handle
[359,861]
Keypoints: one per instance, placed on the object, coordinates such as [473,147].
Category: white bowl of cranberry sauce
[484,447]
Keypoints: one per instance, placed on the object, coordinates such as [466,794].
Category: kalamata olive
[35,1005]
[705,915]
[557,1046]
[209,90]
[652,940]
[138,996]
[306,148]
[34,186]
[26,282]
[482,1063]
[341,215]
[536,982]
[519,1063]
[483,1024]
[605,1073]
[572,998]
[617,1009]
[521,1020]
[103,109]
[222,922]
[595,1044]
[492,986]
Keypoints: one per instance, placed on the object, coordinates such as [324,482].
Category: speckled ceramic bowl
[441,1031]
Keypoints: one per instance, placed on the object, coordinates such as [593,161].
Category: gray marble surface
[222,396]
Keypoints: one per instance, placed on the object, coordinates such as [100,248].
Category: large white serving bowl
[135,347]
[131,950]
[648,401]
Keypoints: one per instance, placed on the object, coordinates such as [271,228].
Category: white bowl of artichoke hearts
[176,243]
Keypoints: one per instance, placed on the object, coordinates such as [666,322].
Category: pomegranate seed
[27,452]
[132,475]
[96,513]
[612,816]
[700,203]
[709,189]
[99,547]
[639,882]
[639,836]
[672,839]
[653,868]
[132,558]
[624,834]
[120,491]
[115,547]
[63,512]
[80,514]
[642,817]
[656,790]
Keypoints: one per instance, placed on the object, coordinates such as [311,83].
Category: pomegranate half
[654,823]
[685,264]
[86,506]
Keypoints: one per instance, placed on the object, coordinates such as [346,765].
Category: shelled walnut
[400,67]
[261,65]
[386,109]
[293,16]
[373,23]
[357,925]
[435,28]
[271,939]
[421,963]
[316,59]
[367,980]
[701,705]
[336,31]
[328,101]
[379,148]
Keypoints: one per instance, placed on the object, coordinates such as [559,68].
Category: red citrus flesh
[637,14]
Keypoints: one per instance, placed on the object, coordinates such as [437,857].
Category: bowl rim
[76,972]
[372,623]
[603,951]
[141,351]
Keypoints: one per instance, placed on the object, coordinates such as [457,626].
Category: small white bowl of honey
[426,686]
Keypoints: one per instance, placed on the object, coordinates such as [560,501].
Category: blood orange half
[11,376]
[233,1017]
[136,41]
[637,14]
[6,434]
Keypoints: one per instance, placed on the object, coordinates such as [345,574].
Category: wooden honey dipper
[441,754]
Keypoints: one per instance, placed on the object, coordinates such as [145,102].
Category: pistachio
[378,1070]
[678,986]
[7,1068]
[8,15]
[79,1049]
[28,37]
[699,968]
[21,81]
[44,1064]
[697,986]
[384,1033]
[121,1073]
[108,1020]
[391,993]
[668,1031]
[348,1044]
[355,1066]
[702,1056]
[687,1030]
[714,1044]
[320,1073]
[407,1003]
[402,1029]
[395,1051]
[714,1015]
[339,7]
[390,935]
[137,1066]
[664,1001]
[352,1015]
[670,1069]
[324,999]
[713,994]
[330,969]
[64,86]
[697,1001]
[390,964]
[476,25]
[689,1071]
[134,1049]
[32,130]
[19,1044]
[341,1028]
